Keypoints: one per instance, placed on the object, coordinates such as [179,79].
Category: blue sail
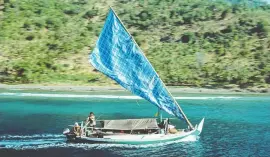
[118,56]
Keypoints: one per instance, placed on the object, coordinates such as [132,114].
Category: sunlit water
[31,124]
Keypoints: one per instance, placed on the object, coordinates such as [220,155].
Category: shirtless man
[77,129]
[91,121]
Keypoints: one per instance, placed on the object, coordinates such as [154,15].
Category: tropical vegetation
[189,42]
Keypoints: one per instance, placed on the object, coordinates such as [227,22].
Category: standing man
[91,121]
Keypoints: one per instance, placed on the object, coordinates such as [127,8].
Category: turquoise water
[31,124]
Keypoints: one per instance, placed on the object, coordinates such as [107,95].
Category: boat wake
[30,141]
[106,96]
[43,141]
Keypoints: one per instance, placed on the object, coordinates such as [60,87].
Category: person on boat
[91,121]
[76,129]
[171,129]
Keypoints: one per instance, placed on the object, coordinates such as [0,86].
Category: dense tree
[197,43]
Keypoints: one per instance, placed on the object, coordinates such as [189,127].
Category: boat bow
[200,126]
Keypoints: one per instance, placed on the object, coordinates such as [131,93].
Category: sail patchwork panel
[117,56]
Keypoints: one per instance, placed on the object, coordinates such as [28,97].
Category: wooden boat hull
[139,139]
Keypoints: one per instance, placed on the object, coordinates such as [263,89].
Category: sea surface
[31,124]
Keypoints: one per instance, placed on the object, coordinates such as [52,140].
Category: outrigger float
[118,56]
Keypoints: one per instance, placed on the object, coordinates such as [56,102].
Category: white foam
[31,136]
[105,96]
[38,144]
[58,141]
[30,141]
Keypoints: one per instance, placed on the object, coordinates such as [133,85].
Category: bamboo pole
[178,106]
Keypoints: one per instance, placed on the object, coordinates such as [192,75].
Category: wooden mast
[159,115]
[178,106]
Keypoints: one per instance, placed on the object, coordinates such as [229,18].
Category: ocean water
[31,124]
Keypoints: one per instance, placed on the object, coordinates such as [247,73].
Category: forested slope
[195,43]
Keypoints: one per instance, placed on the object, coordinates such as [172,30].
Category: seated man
[77,129]
[172,129]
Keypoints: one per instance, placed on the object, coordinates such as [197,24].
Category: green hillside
[189,42]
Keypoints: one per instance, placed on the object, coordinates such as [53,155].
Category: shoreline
[118,89]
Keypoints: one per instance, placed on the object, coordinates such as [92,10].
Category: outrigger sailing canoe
[118,56]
